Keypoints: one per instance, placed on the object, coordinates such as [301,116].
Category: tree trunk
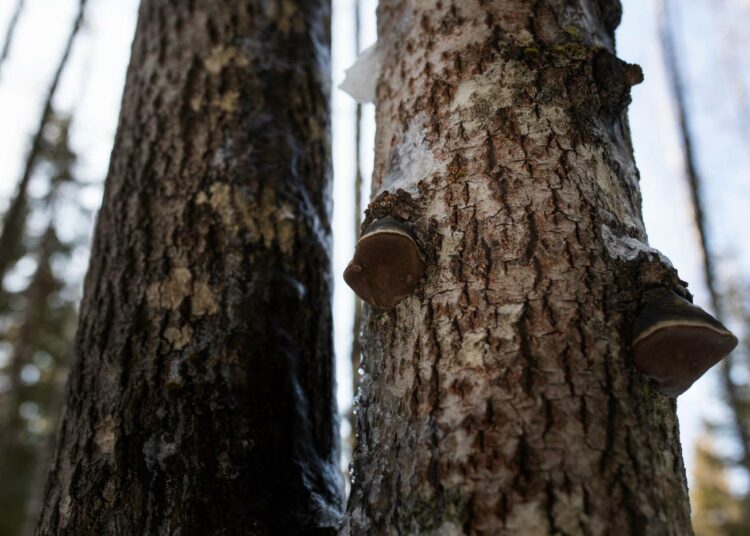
[10,32]
[501,398]
[201,401]
[730,389]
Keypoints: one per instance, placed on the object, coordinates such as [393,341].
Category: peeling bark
[501,397]
[201,400]
[732,391]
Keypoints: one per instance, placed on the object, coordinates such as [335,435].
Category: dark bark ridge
[201,400]
[501,398]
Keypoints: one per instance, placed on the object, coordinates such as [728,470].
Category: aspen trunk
[501,398]
[201,400]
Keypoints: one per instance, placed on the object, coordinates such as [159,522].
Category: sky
[92,88]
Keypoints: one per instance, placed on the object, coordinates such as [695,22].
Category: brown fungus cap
[676,342]
[387,264]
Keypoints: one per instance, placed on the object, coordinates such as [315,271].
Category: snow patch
[361,79]
[627,248]
[412,162]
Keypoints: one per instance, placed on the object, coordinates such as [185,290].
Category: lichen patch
[221,201]
[221,56]
[170,293]
[227,102]
[203,300]
[178,337]
[104,437]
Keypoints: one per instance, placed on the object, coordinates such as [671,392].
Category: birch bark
[501,398]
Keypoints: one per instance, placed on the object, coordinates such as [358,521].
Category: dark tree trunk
[19,450]
[10,32]
[501,397]
[201,400]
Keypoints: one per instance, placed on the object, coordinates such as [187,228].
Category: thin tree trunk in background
[356,356]
[10,32]
[501,398]
[15,216]
[730,44]
[731,390]
[201,400]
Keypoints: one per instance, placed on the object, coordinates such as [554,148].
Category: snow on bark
[361,78]
[627,248]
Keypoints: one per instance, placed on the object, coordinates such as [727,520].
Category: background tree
[716,510]
[201,397]
[719,507]
[8,40]
[37,322]
[501,397]
[15,215]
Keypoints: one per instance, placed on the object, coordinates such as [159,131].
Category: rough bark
[201,401]
[501,398]
[14,220]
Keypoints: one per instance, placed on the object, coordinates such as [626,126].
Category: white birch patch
[627,248]
[473,348]
[590,162]
[361,79]
[413,161]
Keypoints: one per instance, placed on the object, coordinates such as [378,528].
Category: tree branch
[694,183]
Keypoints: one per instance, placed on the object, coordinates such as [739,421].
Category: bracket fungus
[387,264]
[676,342]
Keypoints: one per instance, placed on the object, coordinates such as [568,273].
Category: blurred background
[62,71]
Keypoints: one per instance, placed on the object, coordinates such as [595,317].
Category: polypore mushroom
[676,342]
[387,264]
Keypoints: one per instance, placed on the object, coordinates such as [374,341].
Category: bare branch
[10,32]
[694,182]
[14,220]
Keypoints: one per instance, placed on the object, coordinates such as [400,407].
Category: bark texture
[201,401]
[501,398]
